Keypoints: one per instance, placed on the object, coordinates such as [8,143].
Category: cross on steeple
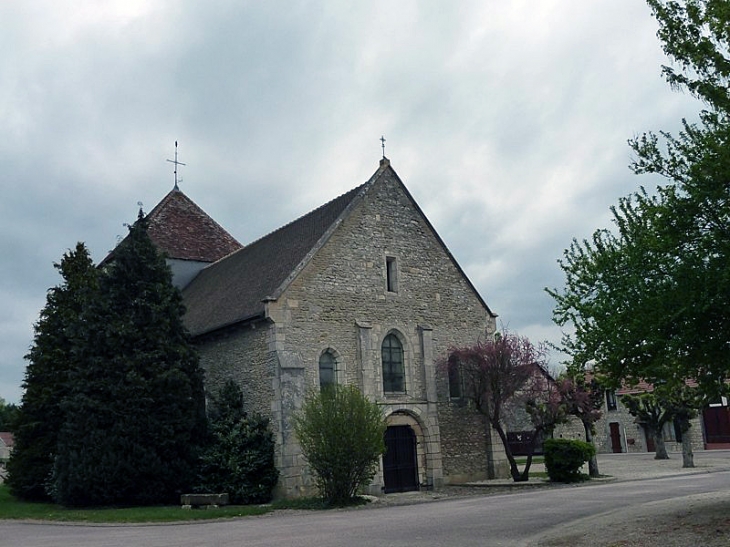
[176,164]
[382,143]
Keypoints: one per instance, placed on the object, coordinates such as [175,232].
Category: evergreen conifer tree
[239,459]
[135,411]
[50,358]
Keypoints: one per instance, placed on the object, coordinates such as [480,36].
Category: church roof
[235,288]
[182,230]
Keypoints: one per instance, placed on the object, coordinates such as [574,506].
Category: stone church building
[360,291]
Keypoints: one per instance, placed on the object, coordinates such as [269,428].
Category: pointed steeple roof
[184,231]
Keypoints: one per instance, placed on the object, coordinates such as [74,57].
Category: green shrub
[239,458]
[564,458]
[342,437]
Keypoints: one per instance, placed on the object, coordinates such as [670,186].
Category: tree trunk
[536,433]
[661,448]
[593,462]
[513,469]
[688,457]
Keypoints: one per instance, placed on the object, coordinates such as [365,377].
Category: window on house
[611,403]
[393,369]
[455,385]
[327,368]
[391,274]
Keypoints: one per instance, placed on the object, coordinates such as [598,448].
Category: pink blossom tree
[500,373]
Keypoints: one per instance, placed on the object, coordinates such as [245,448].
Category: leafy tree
[683,417]
[503,372]
[240,457]
[341,434]
[8,415]
[134,409]
[653,412]
[651,300]
[52,354]
[583,399]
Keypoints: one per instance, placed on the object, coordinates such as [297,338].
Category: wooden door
[717,424]
[616,447]
[400,467]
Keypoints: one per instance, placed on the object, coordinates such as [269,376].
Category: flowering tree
[502,372]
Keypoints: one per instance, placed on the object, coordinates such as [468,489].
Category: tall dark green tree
[651,299]
[52,354]
[134,410]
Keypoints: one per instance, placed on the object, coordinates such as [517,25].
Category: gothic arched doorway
[400,463]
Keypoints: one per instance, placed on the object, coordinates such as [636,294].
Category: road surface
[496,520]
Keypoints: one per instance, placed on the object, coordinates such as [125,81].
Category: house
[362,291]
[618,431]
[6,447]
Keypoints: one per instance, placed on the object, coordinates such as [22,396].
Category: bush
[564,458]
[240,457]
[342,437]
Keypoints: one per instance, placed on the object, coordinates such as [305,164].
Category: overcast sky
[507,121]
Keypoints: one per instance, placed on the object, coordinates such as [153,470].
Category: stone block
[203,501]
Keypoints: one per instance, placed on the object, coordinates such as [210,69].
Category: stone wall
[340,302]
[632,434]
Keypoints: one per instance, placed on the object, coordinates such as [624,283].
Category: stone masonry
[338,301]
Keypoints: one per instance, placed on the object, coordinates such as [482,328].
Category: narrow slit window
[455,382]
[611,403]
[391,274]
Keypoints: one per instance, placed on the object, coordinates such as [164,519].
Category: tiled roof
[645,387]
[233,289]
[184,231]
[7,438]
[641,386]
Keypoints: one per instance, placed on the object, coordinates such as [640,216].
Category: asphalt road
[509,519]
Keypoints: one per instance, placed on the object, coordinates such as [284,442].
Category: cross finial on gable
[382,143]
[176,164]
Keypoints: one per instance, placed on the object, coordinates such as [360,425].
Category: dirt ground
[703,521]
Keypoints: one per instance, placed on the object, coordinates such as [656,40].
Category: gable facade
[375,300]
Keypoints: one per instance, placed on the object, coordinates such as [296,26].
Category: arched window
[327,368]
[393,370]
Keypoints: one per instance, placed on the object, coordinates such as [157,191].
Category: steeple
[176,164]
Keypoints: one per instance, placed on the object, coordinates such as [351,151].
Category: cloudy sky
[507,121]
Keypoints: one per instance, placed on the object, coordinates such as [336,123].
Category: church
[361,291]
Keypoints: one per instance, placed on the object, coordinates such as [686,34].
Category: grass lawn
[10,508]
[522,460]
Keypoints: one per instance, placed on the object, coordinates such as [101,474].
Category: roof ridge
[302,217]
[271,262]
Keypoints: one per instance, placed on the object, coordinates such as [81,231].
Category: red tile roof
[7,438]
[184,231]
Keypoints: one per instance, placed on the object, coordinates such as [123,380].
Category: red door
[717,425]
[650,445]
[615,438]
